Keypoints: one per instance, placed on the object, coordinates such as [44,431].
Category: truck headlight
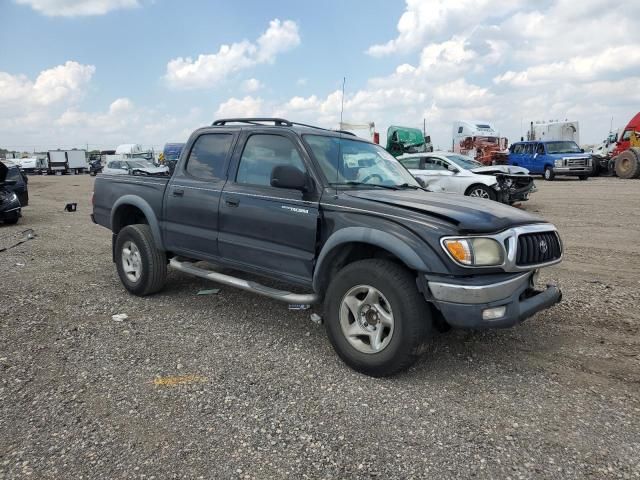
[474,251]
[558,163]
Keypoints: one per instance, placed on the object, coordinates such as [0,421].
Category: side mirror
[582,150]
[421,182]
[427,139]
[286,176]
[451,168]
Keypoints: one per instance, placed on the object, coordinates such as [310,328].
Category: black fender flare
[145,208]
[371,236]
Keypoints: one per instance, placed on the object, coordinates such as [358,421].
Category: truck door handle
[232,201]
[178,192]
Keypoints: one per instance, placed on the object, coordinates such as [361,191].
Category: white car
[455,173]
[134,167]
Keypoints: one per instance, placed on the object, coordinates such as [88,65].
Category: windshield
[351,162]
[463,162]
[563,147]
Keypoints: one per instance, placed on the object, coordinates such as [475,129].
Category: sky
[104,72]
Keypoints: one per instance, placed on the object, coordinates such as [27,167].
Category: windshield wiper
[356,184]
[406,185]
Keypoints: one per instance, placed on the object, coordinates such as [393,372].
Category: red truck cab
[624,141]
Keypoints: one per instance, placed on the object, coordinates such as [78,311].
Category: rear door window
[208,156]
[411,163]
[540,149]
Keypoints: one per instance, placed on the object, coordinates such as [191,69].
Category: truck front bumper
[586,170]
[492,301]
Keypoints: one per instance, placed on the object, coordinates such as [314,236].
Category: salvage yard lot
[232,385]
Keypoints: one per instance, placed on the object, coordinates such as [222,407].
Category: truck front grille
[538,248]
[576,162]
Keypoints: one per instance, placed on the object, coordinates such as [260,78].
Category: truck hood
[470,215]
[504,169]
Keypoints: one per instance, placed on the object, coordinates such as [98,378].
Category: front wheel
[549,174]
[481,191]
[376,319]
[141,266]
[584,177]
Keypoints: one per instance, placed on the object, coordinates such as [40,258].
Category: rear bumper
[462,303]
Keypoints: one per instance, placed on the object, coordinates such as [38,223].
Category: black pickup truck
[339,217]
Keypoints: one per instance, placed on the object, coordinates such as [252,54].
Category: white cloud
[63,82]
[71,8]
[241,107]
[252,85]
[207,70]
[424,21]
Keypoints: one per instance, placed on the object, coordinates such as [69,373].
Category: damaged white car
[455,173]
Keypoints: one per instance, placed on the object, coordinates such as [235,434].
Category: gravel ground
[233,385]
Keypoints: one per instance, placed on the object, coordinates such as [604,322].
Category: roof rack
[278,122]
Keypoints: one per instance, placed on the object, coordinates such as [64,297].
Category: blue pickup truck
[342,219]
[551,158]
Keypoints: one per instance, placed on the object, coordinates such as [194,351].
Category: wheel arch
[478,183]
[354,243]
[130,210]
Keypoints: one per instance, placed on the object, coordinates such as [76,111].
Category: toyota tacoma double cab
[340,219]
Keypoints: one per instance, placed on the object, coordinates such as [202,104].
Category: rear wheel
[481,191]
[141,266]
[376,319]
[584,177]
[12,220]
[628,163]
[549,174]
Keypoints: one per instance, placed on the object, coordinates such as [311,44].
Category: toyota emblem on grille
[543,246]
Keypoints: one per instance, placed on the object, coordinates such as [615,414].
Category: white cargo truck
[57,162]
[77,161]
[32,164]
[556,130]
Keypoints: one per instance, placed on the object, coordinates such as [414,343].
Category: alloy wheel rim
[366,319]
[480,193]
[131,261]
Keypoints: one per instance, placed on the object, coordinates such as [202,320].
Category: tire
[628,164]
[480,191]
[397,293]
[149,263]
[11,221]
[583,177]
[549,174]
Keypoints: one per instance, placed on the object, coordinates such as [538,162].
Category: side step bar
[282,295]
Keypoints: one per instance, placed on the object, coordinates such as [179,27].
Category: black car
[14,193]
